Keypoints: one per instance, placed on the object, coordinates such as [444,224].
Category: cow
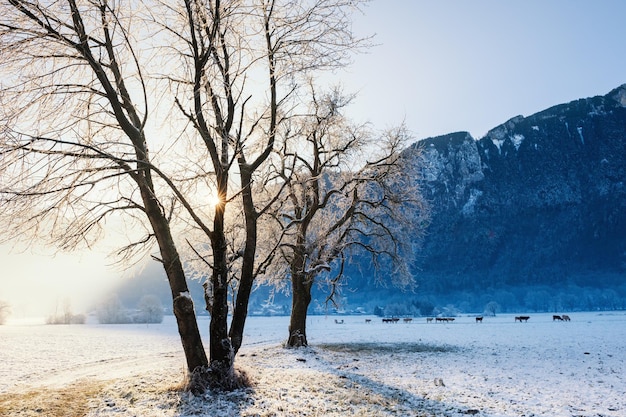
[565,318]
[429,319]
[479,319]
[557,318]
[522,318]
[446,319]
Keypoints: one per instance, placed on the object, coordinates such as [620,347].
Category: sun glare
[214,200]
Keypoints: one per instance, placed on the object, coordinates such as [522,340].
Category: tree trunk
[222,357]
[301,288]
[301,298]
[246,280]
[221,352]
[182,302]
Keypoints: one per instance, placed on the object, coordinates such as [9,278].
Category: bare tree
[85,83]
[66,316]
[75,112]
[248,61]
[150,310]
[349,192]
[112,311]
[491,308]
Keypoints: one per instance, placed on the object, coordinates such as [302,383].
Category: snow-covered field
[496,368]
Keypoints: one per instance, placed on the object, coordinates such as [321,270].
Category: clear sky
[451,65]
[440,65]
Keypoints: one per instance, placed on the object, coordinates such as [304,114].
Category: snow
[495,368]
[498,143]
[517,140]
[580,133]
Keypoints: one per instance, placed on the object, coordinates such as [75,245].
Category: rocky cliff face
[538,200]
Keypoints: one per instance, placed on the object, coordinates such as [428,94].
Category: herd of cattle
[479,319]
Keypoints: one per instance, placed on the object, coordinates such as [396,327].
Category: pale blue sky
[450,65]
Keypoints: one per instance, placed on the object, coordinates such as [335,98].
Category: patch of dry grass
[69,401]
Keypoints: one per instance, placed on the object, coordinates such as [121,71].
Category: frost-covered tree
[76,107]
[243,66]
[150,310]
[65,316]
[491,308]
[139,113]
[348,192]
[112,311]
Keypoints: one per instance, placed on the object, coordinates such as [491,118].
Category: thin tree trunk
[246,280]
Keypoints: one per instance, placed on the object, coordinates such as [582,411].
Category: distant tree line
[491,302]
[65,315]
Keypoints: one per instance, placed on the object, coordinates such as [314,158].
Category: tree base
[216,378]
[297,339]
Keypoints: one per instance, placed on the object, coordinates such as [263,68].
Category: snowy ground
[496,368]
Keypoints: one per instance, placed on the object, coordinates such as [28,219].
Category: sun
[214,199]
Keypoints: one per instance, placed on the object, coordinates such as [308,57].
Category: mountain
[540,200]
[530,217]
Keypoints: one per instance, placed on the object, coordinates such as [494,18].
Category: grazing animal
[429,319]
[555,318]
[446,319]
[368,320]
[522,318]
[565,318]
[479,319]
[338,321]
[408,320]
[391,320]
